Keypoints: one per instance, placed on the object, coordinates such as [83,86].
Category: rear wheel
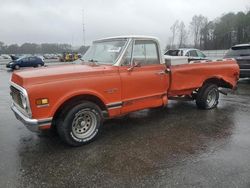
[207,97]
[81,124]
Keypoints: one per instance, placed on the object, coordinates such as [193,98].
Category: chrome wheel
[212,98]
[84,124]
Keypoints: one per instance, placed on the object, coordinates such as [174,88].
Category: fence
[215,54]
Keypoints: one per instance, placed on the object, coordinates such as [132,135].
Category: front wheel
[81,124]
[207,97]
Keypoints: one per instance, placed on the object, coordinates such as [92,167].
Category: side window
[193,53]
[25,60]
[151,53]
[200,54]
[127,56]
[139,52]
[145,52]
[32,59]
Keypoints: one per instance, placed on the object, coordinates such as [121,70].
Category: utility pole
[83,28]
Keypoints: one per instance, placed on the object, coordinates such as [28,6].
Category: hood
[56,73]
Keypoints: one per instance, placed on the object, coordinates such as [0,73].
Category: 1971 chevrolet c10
[117,76]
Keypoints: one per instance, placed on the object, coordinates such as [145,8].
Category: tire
[207,97]
[39,65]
[17,67]
[81,124]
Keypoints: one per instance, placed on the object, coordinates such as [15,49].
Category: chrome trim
[114,105]
[32,124]
[28,112]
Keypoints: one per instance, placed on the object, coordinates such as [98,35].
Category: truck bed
[186,78]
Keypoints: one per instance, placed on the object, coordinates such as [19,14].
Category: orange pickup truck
[116,76]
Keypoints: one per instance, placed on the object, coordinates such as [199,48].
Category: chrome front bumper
[34,125]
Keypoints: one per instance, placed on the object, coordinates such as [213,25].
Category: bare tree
[182,34]
[196,25]
[174,30]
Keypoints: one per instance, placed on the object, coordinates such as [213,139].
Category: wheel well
[219,82]
[75,100]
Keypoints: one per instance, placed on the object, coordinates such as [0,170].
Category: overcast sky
[60,21]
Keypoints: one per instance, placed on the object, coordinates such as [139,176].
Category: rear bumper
[34,125]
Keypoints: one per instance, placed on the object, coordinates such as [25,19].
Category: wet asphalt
[176,146]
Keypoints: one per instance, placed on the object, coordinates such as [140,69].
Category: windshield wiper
[93,61]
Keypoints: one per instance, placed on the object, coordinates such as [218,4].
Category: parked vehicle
[117,76]
[69,57]
[50,56]
[241,53]
[5,56]
[32,61]
[184,55]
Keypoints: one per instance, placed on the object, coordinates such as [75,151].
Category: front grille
[16,96]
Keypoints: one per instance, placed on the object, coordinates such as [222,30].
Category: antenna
[83,28]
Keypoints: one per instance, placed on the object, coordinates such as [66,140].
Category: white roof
[130,37]
[241,45]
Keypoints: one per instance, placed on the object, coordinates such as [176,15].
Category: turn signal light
[42,101]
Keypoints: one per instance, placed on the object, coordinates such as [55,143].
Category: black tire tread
[64,120]
[202,96]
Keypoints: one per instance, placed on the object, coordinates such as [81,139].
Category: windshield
[19,58]
[174,53]
[105,52]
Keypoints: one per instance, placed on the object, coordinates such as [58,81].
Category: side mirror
[135,64]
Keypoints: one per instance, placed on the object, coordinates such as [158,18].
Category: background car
[191,53]
[241,53]
[5,56]
[31,61]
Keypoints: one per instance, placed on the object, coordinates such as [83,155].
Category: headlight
[24,101]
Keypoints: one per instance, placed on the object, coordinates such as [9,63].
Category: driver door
[143,78]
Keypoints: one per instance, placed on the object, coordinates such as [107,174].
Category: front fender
[71,95]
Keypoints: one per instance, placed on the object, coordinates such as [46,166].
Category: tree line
[221,33]
[44,48]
